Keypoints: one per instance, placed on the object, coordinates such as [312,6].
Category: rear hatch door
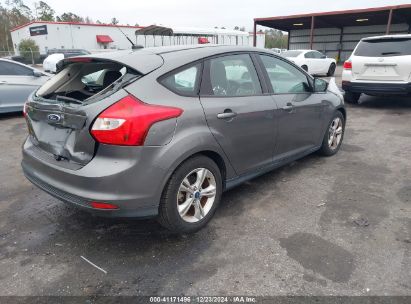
[384,59]
[60,114]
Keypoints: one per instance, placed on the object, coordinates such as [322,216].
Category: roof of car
[145,60]
[388,37]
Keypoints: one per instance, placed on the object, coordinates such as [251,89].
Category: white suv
[378,66]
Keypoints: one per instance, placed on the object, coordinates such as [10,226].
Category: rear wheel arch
[210,153]
[219,162]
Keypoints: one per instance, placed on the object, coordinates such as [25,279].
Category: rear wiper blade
[390,53]
[69,99]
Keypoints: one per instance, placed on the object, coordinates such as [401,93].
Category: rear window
[291,53]
[82,82]
[384,47]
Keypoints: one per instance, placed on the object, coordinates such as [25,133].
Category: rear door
[310,62]
[385,59]
[320,62]
[16,84]
[299,111]
[239,115]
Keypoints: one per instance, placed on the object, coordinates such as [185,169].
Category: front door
[239,116]
[299,112]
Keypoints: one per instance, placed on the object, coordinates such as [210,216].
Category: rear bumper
[121,180]
[377,88]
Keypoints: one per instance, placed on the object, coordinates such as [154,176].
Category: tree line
[15,12]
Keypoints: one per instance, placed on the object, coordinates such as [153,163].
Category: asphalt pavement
[319,226]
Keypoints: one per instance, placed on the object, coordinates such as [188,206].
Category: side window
[317,55]
[308,55]
[284,78]
[232,75]
[183,82]
[7,68]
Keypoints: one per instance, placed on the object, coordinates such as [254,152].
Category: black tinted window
[291,53]
[183,82]
[309,55]
[284,78]
[233,75]
[384,47]
[317,55]
[8,68]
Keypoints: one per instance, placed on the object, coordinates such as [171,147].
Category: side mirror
[37,74]
[320,85]
[323,56]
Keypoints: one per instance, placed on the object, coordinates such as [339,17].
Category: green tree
[29,50]
[44,12]
[69,17]
[13,13]
[114,21]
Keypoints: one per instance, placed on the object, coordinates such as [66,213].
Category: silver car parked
[162,132]
[17,82]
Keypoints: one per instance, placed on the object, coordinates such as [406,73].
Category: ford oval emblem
[54,117]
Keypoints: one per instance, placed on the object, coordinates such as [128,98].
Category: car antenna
[133,45]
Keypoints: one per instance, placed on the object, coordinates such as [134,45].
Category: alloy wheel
[335,133]
[196,195]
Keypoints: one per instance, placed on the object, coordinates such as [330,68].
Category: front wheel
[191,196]
[334,135]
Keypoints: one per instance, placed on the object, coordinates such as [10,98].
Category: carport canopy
[155,30]
[387,15]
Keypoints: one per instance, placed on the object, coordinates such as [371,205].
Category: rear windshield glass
[85,81]
[291,53]
[384,47]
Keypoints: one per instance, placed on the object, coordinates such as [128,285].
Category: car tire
[352,98]
[331,70]
[334,135]
[304,67]
[173,214]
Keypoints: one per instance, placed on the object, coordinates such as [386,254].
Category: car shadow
[4,116]
[386,102]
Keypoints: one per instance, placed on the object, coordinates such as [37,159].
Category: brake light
[128,121]
[80,59]
[347,65]
[107,206]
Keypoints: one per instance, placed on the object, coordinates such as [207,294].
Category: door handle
[3,82]
[288,107]
[227,114]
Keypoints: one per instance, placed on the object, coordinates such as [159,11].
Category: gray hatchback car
[162,132]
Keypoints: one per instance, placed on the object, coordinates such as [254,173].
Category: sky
[201,13]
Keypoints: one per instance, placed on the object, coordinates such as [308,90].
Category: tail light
[347,65]
[128,121]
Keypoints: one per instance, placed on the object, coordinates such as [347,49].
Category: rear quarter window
[183,81]
[384,47]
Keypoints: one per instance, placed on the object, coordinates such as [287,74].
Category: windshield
[291,53]
[384,47]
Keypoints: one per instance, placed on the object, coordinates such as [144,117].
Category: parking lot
[319,226]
